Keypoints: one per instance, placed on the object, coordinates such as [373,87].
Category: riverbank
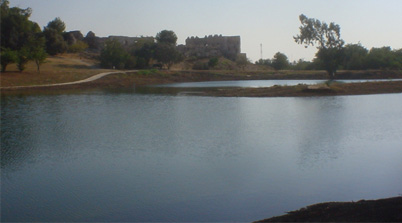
[382,210]
[378,87]
[127,80]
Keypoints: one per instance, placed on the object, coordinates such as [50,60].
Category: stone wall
[212,46]
[98,43]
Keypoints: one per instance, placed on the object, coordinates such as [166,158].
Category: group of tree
[22,40]
[142,52]
[332,52]
[279,62]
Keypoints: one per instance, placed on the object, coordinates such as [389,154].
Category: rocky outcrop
[73,36]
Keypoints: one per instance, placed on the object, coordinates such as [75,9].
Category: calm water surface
[256,83]
[128,157]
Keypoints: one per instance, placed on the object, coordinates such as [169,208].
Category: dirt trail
[89,79]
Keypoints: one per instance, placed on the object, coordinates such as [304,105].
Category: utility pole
[261,50]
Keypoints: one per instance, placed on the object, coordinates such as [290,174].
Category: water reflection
[129,157]
[321,129]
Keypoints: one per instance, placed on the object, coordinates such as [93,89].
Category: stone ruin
[211,46]
[72,37]
[98,43]
[195,47]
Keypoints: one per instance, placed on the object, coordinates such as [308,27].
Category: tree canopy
[166,37]
[21,39]
[16,28]
[280,61]
[113,55]
[327,39]
[53,33]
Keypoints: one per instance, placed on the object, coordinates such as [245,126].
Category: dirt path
[93,78]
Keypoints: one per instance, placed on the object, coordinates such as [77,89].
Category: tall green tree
[53,33]
[165,50]
[327,39]
[280,61]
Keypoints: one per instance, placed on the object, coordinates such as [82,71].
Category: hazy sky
[272,23]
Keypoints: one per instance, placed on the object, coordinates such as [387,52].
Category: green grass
[148,72]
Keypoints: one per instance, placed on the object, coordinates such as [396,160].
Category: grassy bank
[308,91]
[382,210]
[57,69]
[72,67]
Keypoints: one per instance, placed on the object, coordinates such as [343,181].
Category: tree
[265,62]
[38,55]
[22,58]
[280,61]
[144,51]
[54,37]
[383,58]
[8,56]
[16,28]
[57,24]
[113,55]
[167,54]
[355,56]
[302,65]
[328,41]
[37,51]
[166,37]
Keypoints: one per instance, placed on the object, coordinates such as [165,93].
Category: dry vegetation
[58,69]
[73,67]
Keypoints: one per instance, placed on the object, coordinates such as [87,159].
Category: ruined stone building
[98,43]
[211,46]
[195,47]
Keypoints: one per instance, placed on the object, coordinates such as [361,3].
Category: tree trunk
[38,67]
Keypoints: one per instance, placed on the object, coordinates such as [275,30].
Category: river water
[106,156]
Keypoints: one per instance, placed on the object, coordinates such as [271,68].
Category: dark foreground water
[128,157]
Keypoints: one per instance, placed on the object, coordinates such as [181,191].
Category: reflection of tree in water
[320,131]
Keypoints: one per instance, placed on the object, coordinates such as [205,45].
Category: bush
[77,47]
[213,62]
[200,66]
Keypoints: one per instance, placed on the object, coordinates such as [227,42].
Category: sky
[272,23]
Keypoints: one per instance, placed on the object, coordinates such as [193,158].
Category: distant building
[98,43]
[211,46]
[195,47]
